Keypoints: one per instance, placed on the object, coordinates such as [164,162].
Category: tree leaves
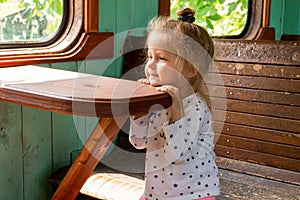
[219,17]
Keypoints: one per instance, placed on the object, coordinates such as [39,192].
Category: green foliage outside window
[219,17]
[29,20]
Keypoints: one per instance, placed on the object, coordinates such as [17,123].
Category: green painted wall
[34,143]
[285,17]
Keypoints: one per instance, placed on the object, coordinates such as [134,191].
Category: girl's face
[161,68]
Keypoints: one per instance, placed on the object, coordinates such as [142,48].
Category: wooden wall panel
[37,153]
[11,165]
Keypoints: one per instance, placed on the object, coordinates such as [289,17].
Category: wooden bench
[258,147]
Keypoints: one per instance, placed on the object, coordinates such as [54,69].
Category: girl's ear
[190,71]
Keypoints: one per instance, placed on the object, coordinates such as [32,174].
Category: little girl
[180,161]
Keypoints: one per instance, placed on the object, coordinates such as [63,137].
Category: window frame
[257,25]
[79,37]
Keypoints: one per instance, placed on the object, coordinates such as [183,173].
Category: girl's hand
[144,81]
[177,109]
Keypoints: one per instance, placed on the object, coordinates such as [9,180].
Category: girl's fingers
[173,91]
[144,81]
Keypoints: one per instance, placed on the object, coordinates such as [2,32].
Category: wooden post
[91,14]
[266,32]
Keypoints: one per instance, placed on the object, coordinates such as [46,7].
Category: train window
[70,36]
[30,21]
[219,17]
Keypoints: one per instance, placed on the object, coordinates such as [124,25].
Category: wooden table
[113,100]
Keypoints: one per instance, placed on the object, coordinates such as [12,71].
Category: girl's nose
[151,64]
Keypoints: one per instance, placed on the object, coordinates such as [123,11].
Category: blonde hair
[183,46]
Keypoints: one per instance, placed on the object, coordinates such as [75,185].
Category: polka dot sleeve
[138,131]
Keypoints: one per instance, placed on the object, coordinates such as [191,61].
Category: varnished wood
[261,134]
[265,109]
[93,150]
[261,171]
[254,95]
[257,69]
[290,37]
[262,52]
[266,33]
[259,83]
[113,100]
[267,122]
[260,146]
[75,93]
[259,158]
[266,13]
[164,7]
[91,10]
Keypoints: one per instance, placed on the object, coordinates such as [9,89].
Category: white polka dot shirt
[180,161]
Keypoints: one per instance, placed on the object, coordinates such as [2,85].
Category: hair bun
[186,15]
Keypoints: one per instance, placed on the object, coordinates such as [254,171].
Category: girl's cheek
[146,71]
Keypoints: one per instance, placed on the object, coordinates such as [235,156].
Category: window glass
[29,21]
[219,17]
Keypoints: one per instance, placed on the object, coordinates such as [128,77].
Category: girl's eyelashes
[162,58]
[158,58]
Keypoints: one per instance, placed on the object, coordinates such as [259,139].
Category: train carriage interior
[256,105]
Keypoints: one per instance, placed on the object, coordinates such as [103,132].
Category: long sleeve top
[180,161]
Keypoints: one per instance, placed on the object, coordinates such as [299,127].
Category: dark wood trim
[79,38]
[258,51]
[164,7]
[258,121]
[252,107]
[259,70]
[91,10]
[266,32]
[85,49]
[255,95]
[254,82]
[280,137]
[260,146]
[258,158]
[290,37]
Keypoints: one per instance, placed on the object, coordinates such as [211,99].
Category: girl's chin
[154,84]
